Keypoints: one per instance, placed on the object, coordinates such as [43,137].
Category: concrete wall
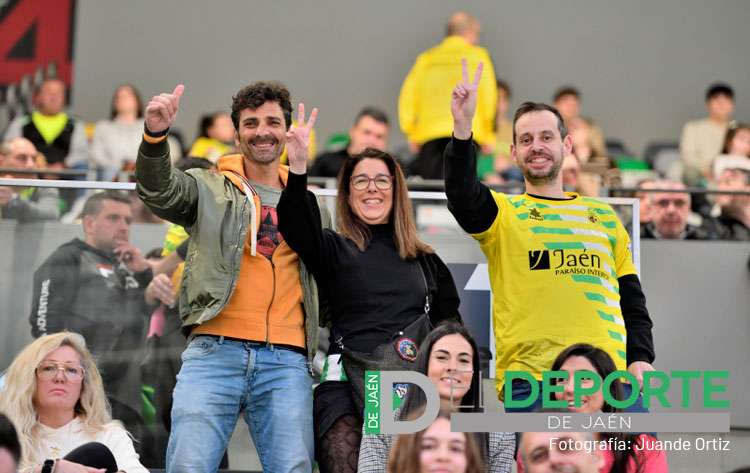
[642,66]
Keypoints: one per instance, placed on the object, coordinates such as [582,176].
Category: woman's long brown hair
[405,235]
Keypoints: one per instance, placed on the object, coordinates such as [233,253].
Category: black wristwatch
[48,466]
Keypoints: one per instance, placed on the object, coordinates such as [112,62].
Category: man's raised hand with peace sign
[464,101]
[162,110]
[298,140]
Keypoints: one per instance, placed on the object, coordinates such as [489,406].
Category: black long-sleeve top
[372,294]
[474,208]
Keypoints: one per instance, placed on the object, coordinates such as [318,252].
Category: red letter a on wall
[34,34]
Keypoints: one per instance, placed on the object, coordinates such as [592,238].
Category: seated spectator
[542,452]
[734,220]
[449,357]
[54,394]
[25,204]
[115,142]
[215,137]
[370,130]
[669,213]
[95,287]
[58,136]
[736,150]
[10,448]
[636,458]
[567,101]
[584,146]
[575,180]
[701,140]
[436,449]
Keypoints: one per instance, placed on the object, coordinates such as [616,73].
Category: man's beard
[263,157]
[546,176]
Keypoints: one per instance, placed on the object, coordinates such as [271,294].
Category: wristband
[154,135]
[48,466]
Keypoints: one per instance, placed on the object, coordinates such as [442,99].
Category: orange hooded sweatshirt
[266,305]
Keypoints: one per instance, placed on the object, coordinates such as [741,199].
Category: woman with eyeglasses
[374,272]
[53,393]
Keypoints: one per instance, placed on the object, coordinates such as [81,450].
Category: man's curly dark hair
[258,93]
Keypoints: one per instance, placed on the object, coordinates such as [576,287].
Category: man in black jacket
[95,287]
[669,213]
[370,130]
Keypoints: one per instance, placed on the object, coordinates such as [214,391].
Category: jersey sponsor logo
[593,217]
[567,262]
[535,214]
[538,259]
[576,259]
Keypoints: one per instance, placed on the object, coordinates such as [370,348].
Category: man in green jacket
[247,301]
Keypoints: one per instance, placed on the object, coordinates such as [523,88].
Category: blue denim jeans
[521,389]
[221,379]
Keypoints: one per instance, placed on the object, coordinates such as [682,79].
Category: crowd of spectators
[77,286]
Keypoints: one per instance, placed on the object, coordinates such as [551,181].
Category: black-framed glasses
[362,182]
[49,371]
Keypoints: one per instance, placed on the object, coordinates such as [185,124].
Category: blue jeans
[521,389]
[220,379]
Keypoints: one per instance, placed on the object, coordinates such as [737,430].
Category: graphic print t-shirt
[269,236]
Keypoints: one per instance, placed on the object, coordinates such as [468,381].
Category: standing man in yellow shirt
[422,111]
[559,263]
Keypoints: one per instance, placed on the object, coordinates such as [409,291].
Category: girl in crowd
[115,141]
[736,150]
[114,145]
[436,449]
[449,357]
[215,137]
[375,273]
[54,395]
[582,356]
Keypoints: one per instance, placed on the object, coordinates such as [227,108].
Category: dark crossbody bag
[395,355]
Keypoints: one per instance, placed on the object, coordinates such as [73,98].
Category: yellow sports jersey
[553,267]
[174,238]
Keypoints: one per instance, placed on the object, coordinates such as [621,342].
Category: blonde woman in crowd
[54,395]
